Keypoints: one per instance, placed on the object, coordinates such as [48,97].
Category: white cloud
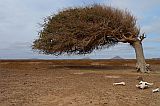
[153,40]
[153,26]
[19,18]
[145,11]
[141,5]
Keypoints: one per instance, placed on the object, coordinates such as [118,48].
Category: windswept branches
[83,29]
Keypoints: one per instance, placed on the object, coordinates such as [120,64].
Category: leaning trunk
[141,64]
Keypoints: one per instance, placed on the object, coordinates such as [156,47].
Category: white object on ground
[155,90]
[119,83]
[146,83]
[143,85]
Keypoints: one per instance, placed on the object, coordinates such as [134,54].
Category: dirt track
[74,83]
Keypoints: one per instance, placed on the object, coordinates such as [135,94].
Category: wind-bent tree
[81,30]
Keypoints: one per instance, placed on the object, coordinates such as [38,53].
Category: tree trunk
[141,64]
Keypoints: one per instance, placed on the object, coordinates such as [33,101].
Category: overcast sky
[19,26]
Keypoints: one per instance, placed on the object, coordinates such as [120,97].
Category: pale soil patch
[78,73]
[113,76]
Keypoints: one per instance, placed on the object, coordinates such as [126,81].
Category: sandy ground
[41,83]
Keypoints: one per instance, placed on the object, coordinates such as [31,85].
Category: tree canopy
[80,30]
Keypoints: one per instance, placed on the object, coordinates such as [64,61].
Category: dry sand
[86,83]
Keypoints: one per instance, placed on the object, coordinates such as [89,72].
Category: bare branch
[141,37]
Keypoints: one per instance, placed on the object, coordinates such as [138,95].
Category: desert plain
[83,82]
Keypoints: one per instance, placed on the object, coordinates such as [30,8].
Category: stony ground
[62,83]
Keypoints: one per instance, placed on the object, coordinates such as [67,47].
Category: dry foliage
[81,30]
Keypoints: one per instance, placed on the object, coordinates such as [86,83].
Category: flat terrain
[76,83]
